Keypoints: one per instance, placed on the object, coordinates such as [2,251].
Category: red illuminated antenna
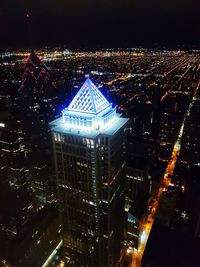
[30,35]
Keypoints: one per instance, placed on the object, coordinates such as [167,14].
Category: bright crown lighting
[89,109]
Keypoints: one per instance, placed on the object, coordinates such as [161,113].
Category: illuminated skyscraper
[34,106]
[88,148]
[36,77]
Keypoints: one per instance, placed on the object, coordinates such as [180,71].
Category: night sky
[93,23]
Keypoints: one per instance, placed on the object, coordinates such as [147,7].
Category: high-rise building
[16,201]
[138,185]
[34,106]
[28,228]
[90,168]
[36,77]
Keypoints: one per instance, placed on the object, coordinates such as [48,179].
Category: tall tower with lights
[88,147]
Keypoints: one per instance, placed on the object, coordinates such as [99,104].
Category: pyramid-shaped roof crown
[89,109]
[89,99]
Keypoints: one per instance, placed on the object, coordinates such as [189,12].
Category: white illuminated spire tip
[87,76]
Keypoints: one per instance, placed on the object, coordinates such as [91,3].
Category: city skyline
[158,90]
[99,133]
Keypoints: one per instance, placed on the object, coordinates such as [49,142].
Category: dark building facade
[15,177]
